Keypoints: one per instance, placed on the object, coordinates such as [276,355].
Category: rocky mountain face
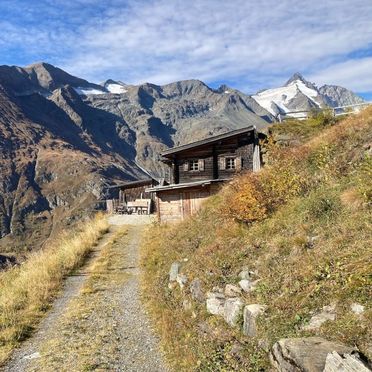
[299,94]
[63,140]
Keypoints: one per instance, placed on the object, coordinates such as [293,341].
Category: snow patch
[116,88]
[227,91]
[88,91]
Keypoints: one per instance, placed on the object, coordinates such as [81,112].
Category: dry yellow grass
[86,336]
[26,291]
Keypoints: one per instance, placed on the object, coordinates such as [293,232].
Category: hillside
[290,245]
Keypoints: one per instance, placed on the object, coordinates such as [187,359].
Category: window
[230,163]
[194,165]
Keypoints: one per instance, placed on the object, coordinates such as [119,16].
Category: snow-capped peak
[297,94]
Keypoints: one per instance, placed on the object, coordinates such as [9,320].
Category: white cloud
[253,44]
[355,74]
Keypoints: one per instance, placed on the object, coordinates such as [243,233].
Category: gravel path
[117,325]
[139,347]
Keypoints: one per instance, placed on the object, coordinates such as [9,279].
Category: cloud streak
[250,44]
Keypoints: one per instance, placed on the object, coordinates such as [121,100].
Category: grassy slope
[320,189]
[27,290]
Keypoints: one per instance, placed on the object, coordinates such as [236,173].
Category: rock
[181,280]
[216,305]
[310,241]
[346,362]
[357,308]
[244,274]
[247,285]
[174,271]
[215,295]
[304,354]
[232,290]
[327,313]
[196,290]
[232,311]
[250,313]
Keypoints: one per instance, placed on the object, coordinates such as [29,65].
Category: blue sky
[249,45]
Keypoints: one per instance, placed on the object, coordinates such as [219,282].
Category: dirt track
[106,330]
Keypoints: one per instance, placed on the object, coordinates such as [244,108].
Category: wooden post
[215,162]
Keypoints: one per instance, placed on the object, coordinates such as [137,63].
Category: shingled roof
[209,140]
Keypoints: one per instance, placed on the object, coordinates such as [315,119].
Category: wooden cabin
[132,196]
[198,169]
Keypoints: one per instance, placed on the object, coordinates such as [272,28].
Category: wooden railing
[336,111]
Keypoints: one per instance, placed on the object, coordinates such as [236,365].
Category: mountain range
[299,94]
[63,139]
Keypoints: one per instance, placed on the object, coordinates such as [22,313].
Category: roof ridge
[208,140]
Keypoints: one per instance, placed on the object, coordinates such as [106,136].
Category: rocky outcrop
[196,290]
[304,354]
[232,311]
[216,303]
[344,363]
[328,313]
[250,314]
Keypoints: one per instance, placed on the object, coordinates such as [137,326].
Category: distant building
[198,169]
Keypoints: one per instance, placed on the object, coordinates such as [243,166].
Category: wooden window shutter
[238,163]
[222,164]
[201,164]
[186,166]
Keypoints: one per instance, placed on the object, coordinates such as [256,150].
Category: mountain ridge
[298,94]
[64,140]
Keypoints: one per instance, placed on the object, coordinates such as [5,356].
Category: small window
[194,165]
[230,163]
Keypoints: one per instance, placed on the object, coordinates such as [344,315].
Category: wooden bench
[140,206]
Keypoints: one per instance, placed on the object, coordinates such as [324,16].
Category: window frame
[229,167]
[192,164]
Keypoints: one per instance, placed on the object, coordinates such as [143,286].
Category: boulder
[245,285]
[216,305]
[232,290]
[343,363]
[196,290]
[250,313]
[232,311]
[327,313]
[174,271]
[306,354]
[357,308]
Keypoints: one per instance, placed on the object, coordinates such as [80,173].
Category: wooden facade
[127,194]
[197,170]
